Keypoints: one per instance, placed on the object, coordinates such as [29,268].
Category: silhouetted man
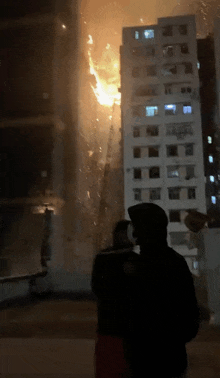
[160,305]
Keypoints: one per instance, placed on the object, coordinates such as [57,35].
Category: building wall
[175,65]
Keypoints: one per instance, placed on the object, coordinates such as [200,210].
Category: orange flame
[106,92]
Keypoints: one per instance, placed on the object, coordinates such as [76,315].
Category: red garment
[109,358]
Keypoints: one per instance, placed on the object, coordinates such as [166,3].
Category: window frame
[174,192]
[149,30]
[136,129]
[172,146]
[135,154]
[137,170]
[150,172]
[193,190]
[153,107]
[151,196]
[179,216]
[156,148]
[182,45]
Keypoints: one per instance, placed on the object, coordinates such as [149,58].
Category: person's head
[120,236]
[149,223]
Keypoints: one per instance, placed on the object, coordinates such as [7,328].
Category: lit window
[151,111]
[198,65]
[136,34]
[137,194]
[172,172]
[209,139]
[213,199]
[212,178]
[149,33]
[187,109]
[210,159]
[170,109]
[195,265]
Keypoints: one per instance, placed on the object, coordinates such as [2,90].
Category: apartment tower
[161,123]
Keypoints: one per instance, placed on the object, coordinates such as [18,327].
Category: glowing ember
[106,90]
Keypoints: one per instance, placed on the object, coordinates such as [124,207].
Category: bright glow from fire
[106,90]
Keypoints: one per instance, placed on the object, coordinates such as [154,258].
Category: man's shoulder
[115,255]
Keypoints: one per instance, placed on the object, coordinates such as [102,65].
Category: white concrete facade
[161,123]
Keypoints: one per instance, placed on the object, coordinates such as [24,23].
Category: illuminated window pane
[187,109]
[209,139]
[212,178]
[172,172]
[198,65]
[151,111]
[210,159]
[213,199]
[136,34]
[170,109]
[149,33]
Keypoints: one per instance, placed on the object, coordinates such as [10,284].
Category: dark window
[136,132]
[191,193]
[137,194]
[188,68]
[189,89]
[190,172]
[137,173]
[174,216]
[174,193]
[136,72]
[146,90]
[151,70]
[168,51]
[183,90]
[184,48]
[189,149]
[136,111]
[154,172]
[167,31]
[183,29]
[168,89]
[172,151]
[178,238]
[169,69]
[153,151]
[155,194]
[137,152]
[152,130]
